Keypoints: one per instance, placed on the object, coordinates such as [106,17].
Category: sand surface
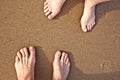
[94,55]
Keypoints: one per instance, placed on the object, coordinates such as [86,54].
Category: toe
[32,54]
[22,52]
[93,24]
[45,7]
[63,56]
[57,56]
[19,56]
[68,64]
[46,10]
[48,13]
[23,55]
[66,57]
[88,27]
[26,54]
[84,28]
[52,15]
[67,61]
[16,59]
[45,3]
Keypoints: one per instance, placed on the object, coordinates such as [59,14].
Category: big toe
[32,53]
[57,56]
[53,14]
[84,28]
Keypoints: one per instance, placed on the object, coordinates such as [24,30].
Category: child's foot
[53,7]
[25,63]
[88,18]
[61,66]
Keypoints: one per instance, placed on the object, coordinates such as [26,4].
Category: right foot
[53,7]
[61,66]
[88,18]
[25,63]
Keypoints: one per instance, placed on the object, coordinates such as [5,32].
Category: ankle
[26,78]
[58,78]
[90,3]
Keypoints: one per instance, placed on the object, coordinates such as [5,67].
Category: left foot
[88,18]
[25,63]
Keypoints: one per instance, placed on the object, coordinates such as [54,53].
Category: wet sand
[94,55]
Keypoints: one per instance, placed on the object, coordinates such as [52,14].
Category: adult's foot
[25,63]
[61,66]
[53,7]
[88,18]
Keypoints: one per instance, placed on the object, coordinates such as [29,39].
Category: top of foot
[53,7]
[25,63]
[88,18]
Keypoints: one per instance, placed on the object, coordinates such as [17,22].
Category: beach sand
[94,55]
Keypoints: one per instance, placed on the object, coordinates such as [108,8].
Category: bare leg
[88,18]
[53,7]
[25,63]
[61,66]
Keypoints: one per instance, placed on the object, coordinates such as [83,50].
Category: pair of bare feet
[25,63]
[53,7]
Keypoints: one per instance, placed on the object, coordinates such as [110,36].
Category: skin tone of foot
[61,66]
[88,18]
[25,63]
[53,7]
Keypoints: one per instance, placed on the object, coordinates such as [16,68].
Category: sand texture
[94,55]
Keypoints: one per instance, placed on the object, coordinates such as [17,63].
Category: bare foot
[61,66]
[25,63]
[53,7]
[88,18]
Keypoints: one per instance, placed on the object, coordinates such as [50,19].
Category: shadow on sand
[43,66]
[106,7]
[77,74]
[43,70]
[69,4]
[101,9]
